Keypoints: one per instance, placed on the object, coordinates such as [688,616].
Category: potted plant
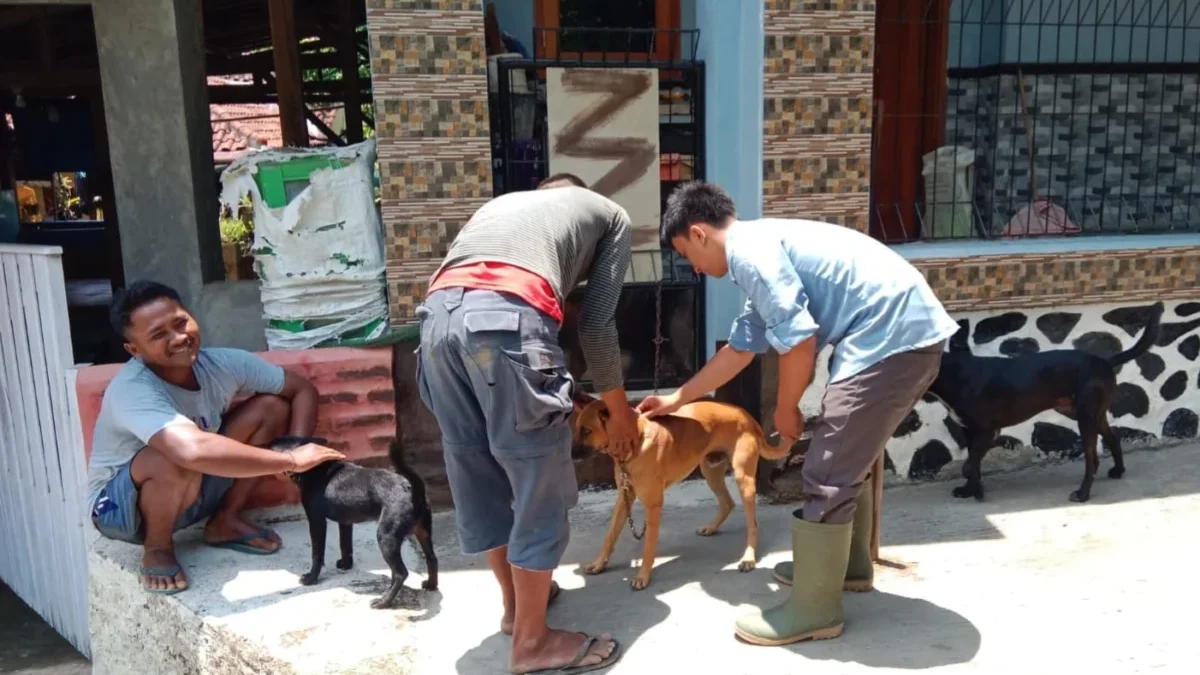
[237,235]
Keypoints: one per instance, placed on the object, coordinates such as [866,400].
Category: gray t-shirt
[138,404]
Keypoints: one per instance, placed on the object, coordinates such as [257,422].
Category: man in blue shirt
[808,285]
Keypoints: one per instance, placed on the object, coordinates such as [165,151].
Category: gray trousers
[858,416]
[491,371]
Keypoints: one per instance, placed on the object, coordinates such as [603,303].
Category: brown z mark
[622,88]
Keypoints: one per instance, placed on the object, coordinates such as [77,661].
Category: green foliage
[238,228]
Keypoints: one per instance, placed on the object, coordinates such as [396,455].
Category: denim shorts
[490,370]
[115,513]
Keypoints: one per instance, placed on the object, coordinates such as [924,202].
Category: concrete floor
[1024,582]
[29,646]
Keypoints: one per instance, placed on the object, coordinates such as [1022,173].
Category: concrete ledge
[248,614]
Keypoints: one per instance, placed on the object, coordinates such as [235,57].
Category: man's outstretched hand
[789,423]
[311,455]
[622,432]
[655,406]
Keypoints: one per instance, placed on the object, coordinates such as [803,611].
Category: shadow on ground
[1041,488]
[29,646]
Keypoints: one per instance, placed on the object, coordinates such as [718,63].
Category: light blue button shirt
[804,278]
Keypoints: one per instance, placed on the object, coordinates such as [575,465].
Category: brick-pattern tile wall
[429,73]
[1094,277]
[817,91]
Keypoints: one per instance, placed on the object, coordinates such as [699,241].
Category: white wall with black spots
[1158,396]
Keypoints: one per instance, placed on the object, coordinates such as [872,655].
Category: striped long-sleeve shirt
[565,235]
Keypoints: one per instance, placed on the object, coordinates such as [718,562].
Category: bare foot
[560,648]
[157,565]
[506,623]
[222,529]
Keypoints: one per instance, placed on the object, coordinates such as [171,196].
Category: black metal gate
[520,160]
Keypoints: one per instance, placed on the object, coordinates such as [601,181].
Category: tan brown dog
[708,434]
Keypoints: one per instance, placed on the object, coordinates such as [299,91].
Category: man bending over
[808,285]
[492,372]
[170,448]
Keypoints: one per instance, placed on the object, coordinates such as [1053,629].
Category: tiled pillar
[817,86]
[429,74]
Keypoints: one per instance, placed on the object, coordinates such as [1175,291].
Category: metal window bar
[1112,101]
[520,152]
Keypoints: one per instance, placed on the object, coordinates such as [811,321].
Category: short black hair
[695,202]
[133,297]
[562,178]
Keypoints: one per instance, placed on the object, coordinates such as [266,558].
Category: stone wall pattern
[1157,401]
[1118,151]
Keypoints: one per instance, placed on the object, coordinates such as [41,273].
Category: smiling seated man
[169,447]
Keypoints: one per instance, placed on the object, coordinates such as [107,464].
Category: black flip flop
[573,668]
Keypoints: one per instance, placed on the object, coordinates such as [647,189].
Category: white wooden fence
[43,528]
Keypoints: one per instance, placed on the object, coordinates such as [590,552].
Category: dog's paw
[383,603]
[967,491]
[1116,472]
[429,585]
[345,564]
[706,531]
[640,583]
[594,568]
[1080,497]
[309,579]
[746,565]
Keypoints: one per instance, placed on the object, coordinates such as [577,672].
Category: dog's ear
[604,415]
[581,398]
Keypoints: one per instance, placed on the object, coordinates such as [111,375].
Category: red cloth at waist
[502,278]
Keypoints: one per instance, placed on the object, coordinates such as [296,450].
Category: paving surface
[28,646]
[1024,582]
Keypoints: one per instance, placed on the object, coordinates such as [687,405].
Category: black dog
[986,394]
[347,494]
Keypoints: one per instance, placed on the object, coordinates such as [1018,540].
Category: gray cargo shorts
[490,370]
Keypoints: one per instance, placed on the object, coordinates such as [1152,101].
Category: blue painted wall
[731,45]
[516,18]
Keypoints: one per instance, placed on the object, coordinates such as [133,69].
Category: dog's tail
[1145,342]
[396,456]
[780,449]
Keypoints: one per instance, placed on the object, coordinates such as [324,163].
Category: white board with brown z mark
[603,125]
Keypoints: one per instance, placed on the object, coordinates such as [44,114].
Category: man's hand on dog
[622,432]
[655,406]
[311,455]
[789,423]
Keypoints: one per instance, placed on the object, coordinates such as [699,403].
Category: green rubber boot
[860,572]
[813,611]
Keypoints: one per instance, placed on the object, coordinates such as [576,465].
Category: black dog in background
[987,394]
[347,494]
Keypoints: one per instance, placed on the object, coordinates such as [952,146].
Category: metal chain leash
[626,489]
[658,336]
[626,486]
